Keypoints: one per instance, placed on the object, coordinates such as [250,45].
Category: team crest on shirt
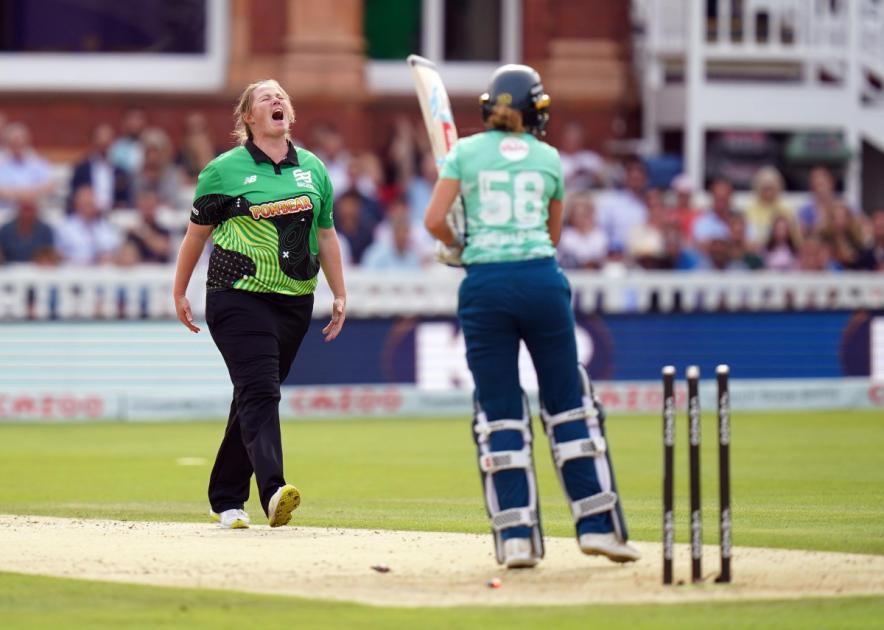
[278,208]
[513,149]
[303,178]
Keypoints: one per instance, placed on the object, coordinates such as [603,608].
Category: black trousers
[258,335]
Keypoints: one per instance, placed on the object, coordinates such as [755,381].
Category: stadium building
[698,92]
[717,166]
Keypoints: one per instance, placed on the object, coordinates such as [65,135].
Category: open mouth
[278,114]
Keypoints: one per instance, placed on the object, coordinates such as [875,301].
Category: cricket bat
[439,121]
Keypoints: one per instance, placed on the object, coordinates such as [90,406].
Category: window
[149,45]
[81,26]
[392,28]
[466,38]
[472,30]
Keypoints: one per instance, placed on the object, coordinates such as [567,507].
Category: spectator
[768,204]
[418,188]
[583,244]
[126,255]
[715,222]
[645,245]
[411,166]
[402,152]
[677,255]
[720,254]
[421,240]
[872,257]
[151,241]
[781,251]
[329,146]
[397,252]
[110,184]
[23,173]
[354,223]
[367,176]
[683,209]
[814,255]
[621,210]
[26,238]
[197,148]
[582,169]
[127,152]
[158,174]
[841,231]
[742,250]
[87,238]
[822,199]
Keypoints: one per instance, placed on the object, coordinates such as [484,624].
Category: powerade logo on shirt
[278,208]
[514,149]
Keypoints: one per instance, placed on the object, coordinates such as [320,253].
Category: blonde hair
[505,119]
[768,176]
[241,130]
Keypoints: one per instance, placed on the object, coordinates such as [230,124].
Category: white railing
[812,33]
[797,29]
[33,293]
[871,39]
[815,65]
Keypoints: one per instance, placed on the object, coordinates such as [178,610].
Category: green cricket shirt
[507,181]
[266,216]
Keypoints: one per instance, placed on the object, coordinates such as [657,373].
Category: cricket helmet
[518,87]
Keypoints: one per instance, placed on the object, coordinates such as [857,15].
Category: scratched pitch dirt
[426,568]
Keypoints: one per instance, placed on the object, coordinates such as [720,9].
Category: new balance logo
[303,178]
[251,179]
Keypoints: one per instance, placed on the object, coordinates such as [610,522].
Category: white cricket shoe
[608,545]
[234,519]
[282,504]
[518,553]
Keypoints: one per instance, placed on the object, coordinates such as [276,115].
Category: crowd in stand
[614,219]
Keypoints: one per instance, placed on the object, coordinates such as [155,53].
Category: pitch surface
[425,568]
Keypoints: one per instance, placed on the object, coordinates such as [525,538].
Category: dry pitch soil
[424,568]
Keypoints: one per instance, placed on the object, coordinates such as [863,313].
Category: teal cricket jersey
[267,215]
[507,181]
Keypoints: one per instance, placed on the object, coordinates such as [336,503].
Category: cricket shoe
[608,545]
[233,519]
[283,502]
[518,553]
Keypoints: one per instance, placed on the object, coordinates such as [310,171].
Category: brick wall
[581,47]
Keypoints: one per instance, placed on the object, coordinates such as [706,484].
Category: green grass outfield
[800,481]
[30,602]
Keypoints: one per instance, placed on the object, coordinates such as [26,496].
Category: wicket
[692,375]
[724,471]
[668,469]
